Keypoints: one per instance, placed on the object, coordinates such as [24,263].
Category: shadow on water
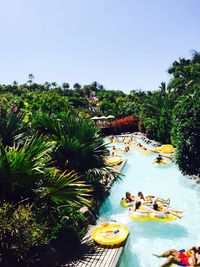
[161,230]
[126,260]
[129,261]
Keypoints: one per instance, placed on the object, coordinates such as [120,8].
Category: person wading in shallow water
[190,257]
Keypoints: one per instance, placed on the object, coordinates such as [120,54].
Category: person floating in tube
[190,257]
[159,158]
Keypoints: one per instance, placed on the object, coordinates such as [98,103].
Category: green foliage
[25,229]
[73,220]
[12,125]
[186,131]
[48,102]
[26,171]
[20,231]
[34,190]
[66,187]
[52,155]
[156,115]
[80,147]
[79,144]
[22,166]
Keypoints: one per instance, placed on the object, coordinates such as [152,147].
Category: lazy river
[150,237]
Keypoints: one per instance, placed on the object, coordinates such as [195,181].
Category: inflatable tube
[158,149]
[162,217]
[162,162]
[145,151]
[110,234]
[167,149]
[121,151]
[124,204]
[139,215]
[113,160]
[150,199]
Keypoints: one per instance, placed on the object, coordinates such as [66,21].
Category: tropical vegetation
[52,154]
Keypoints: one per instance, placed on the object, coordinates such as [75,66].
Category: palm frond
[68,188]
[12,127]
[24,165]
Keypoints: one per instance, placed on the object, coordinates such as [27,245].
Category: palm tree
[54,84]
[15,83]
[79,146]
[67,188]
[23,166]
[156,115]
[12,126]
[101,87]
[26,173]
[195,57]
[94,85]
[30,79]
[163,88]
[65,86]
[47,85]
[77,86]
[177,66]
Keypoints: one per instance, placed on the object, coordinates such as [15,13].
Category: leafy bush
[20,231]
[12,125]
[186,132]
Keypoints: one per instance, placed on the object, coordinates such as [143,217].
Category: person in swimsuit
[141,197]
[190,257]
[138,205]
[158,159]
[141,211]
[129,198]
[163,212]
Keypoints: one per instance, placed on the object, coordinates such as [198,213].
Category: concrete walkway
[91,255]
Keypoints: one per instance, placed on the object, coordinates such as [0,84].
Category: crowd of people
[130,141]
[150,204]
[158,206]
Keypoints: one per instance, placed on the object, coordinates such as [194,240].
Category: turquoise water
[151,236]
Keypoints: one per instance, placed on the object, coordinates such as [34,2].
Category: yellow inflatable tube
[167,149]
[146,151]
[113,160]
[162,217]
[162,162]
[158,149]
[139,215]
[110,234]
[124,204]
[121,151]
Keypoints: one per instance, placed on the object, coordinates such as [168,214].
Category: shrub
[186,132]
[127,124]
[20,231]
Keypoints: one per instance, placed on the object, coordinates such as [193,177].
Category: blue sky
[122,44]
